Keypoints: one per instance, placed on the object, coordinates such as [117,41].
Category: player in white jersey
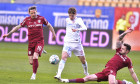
[72,42]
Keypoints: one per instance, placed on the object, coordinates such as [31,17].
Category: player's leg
[66,52]
[112,79]
[30,53]
[37,53]
[92,77]
[123,82]
[30,59]
[79,51]
[35,65]
[84,64]
[61,64]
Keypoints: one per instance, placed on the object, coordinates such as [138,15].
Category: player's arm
[52,30]
[119,40]
[134,76]
[12,31]
[82,28]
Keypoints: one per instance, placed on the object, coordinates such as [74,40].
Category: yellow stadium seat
[113,4]
[138,5]
[81,2]
[94,2]
[87,2]
[100,3]
[107,4]
[127,4]
[134,5]
[120,4]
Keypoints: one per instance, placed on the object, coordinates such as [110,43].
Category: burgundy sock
[35,65]
[121,82]
[79,80]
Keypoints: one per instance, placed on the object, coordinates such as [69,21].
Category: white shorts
[77,48]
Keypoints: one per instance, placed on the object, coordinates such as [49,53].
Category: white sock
[85,67]
[61,67]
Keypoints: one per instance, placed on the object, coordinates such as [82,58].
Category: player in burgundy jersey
[35,36]
[119,61]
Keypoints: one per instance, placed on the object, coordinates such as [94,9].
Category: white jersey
[71,36]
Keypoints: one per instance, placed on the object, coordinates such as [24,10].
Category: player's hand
[54,37]
[5,35]
[74,30]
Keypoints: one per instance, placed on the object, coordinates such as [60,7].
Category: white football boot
[86,73]
[127,82]
[64,80]
[44,51]
[57,77]
[33,77]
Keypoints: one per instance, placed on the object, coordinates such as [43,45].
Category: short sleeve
[45,22]
[23,23]
[130,64]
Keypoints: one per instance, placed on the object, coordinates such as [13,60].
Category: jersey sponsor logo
[29,52]
[35,25]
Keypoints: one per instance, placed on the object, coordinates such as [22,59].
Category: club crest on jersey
[29,52]
[39,21]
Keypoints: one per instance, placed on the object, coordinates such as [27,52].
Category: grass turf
[15,67]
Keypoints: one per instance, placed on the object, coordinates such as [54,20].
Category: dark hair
[31,8]
[128,47]
[72,10]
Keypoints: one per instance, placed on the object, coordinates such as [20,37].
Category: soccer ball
[54,59]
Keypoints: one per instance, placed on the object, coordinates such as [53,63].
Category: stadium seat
[87,2]
[113,4]
[134,5]
[94,2]
[81,2]
[101,2]
[138,5]
[120,4]
[107,4]
[127,4]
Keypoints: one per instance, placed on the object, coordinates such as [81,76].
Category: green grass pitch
[15,67]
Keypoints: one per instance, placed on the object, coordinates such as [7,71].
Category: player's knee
[112,82]
[64,57]
[35,55]
[87,78]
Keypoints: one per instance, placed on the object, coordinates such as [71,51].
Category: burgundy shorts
[35,47]
[103,76]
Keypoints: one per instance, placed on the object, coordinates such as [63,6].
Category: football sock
[78,80]
[85,67]
[121,82]
[35,65]
[61,67]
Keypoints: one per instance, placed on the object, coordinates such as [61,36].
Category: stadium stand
[112,3]
[107,3]
[55,2]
